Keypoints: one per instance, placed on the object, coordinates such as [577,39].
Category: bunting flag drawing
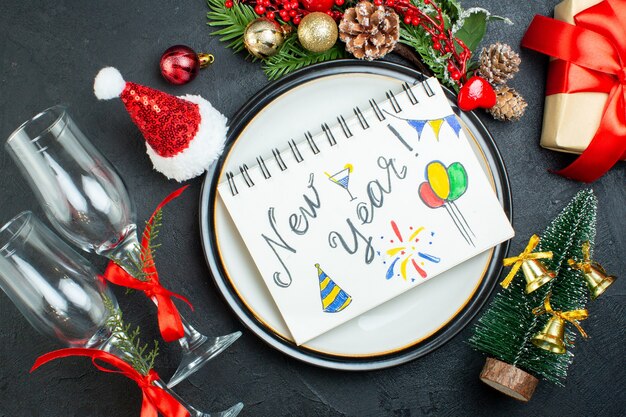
[334,299]
[436,125]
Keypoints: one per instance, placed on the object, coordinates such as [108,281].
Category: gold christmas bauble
[263,37]
[317,32]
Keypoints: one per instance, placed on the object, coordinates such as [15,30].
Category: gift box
[585,90]
[571,120]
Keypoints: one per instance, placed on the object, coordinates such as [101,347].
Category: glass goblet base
[200,351]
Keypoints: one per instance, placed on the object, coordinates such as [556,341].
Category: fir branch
[150,233]
[465,28]
[232,22]
[417,38]
[141,263]
[293,56]
[127,340]
[133,265]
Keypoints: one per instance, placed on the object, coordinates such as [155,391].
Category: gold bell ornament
[535,273]
[597,278]
[552,337]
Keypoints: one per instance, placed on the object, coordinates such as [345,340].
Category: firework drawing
[405,252]
[342,179]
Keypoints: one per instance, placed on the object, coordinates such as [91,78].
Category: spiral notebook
[363,209]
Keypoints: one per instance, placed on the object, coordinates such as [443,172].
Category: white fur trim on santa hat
[205,147]
[108,84]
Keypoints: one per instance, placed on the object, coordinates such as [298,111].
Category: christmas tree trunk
[505,331]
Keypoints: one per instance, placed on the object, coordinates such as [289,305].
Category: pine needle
[232,21]
[293,56]
[420,40]
[290,57]
[139,264]
[150,233]
[127,340]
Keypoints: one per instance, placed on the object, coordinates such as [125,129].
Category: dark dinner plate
[330,87]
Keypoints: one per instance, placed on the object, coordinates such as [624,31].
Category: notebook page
[339,231]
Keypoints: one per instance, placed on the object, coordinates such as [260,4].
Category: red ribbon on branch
[591,58]
[155,400]
[170,322]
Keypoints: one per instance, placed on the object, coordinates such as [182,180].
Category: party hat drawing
[334,299]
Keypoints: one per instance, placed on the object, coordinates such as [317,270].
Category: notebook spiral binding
[293,146]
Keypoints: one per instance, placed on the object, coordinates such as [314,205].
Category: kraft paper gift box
[570,120]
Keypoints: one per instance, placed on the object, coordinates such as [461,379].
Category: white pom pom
[108,84]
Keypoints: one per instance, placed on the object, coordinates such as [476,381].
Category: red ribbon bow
[155,400]
[170,322]
[591,57]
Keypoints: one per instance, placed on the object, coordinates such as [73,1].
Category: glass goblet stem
[127,254]
[196,348]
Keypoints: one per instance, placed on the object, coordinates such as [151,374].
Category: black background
[50,53]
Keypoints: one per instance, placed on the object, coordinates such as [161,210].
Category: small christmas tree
[506,330]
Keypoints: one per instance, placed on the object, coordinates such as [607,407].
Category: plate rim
[209,245]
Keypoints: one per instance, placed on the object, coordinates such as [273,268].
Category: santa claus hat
[184,135]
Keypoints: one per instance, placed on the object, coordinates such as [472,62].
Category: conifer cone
[510,105]
[499,63]
[370,32]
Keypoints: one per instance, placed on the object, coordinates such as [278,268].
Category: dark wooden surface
[50,52]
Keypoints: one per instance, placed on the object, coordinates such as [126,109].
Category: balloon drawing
[443,186]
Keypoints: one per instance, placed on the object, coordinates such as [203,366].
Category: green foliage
[467,25]
[293,56]
[127,340]
[472,26]
[144,259]
[150,233]
[232,21]
[290,57]
[473,29]
[418,39]
[505,329]
[451,8]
